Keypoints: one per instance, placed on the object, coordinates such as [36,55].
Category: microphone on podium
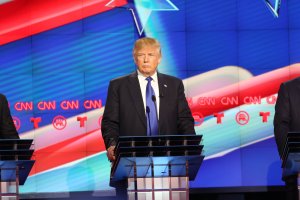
[154,100]
[148,113]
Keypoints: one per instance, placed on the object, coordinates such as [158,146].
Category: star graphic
[274,6]
[142,9]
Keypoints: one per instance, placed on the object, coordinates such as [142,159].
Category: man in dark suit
[287,111]
[128,107]
[7,127]
[287,119]
[143,103]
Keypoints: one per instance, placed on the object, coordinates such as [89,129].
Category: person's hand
[111,153]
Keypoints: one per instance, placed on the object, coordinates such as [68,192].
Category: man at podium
[287,111]
[7,127]
[145,102]
[287,119]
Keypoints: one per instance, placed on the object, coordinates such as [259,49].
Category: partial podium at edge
[15,165]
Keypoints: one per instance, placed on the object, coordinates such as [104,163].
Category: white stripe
[4,1]
[235,148]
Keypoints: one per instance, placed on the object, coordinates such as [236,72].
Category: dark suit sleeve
[110,120]
[282,117]
[7,127]
[185,119]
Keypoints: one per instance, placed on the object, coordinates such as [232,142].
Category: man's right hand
[111,153]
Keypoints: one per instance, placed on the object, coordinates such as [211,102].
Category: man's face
[147,60]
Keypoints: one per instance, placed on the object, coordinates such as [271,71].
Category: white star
[142,9]
[274,6]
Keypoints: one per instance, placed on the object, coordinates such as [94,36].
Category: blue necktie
[151,113]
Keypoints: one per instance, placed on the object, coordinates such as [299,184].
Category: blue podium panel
[157,156]
[141,167]
[15,160]
[8,170]
[291,154]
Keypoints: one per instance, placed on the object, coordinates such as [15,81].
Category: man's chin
[148,73]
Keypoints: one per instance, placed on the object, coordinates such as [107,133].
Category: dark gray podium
[158,167]
[291,165]
[15,165]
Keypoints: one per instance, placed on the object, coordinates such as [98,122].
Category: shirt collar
[154,76]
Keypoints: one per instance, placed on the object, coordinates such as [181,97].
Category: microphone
[154,101]
[147,109]
[154,98]
[148,113]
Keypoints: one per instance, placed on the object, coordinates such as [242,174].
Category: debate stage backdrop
[57,57]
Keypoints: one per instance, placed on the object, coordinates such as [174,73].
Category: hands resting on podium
[111,153]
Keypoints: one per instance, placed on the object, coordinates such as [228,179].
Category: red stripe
[22,18]
[92,142]
[68,151]
[263,85]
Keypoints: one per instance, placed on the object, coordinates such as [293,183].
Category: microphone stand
[154,101]
[148,113]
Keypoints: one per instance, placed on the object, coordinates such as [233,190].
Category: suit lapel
[296,91]
[135,92]
[162,98]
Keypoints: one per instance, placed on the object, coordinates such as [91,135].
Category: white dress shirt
[154,83]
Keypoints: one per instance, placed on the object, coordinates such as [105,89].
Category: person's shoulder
[169,77]
[2,97]
[121,79]
[292,82]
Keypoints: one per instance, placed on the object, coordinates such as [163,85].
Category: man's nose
[146,59]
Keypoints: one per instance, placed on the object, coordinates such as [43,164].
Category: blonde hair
[146,41]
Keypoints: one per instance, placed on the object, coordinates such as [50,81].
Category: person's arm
[282,117]
[110,121]
[185,120]
[7,126]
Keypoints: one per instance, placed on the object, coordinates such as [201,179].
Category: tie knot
[149,78]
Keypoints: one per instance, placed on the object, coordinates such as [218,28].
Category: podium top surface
[6,144]
[160,137]
[162,140]
[168,155]
[293,134]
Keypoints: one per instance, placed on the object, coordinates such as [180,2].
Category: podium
[291,164]
[15,165]
[157,167]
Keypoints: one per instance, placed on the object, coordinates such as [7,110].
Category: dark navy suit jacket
[124,113]
[287,111]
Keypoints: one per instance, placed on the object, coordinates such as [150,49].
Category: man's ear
[159,59]
[134,59]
